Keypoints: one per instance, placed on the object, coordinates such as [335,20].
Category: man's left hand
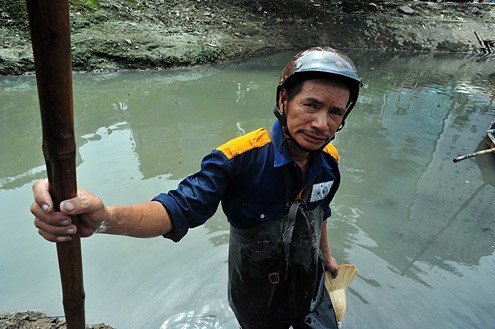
[332,266]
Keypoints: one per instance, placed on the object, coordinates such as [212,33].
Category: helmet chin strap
[283,121]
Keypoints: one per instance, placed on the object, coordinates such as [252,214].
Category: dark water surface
[419,228]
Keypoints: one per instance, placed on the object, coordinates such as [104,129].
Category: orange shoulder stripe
[249,141]
[332,150]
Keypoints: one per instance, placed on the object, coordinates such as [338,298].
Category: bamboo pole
[50,35]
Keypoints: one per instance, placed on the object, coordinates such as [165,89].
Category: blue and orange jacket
[246,176]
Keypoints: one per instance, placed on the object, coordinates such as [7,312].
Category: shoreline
[38,320]
[149,35]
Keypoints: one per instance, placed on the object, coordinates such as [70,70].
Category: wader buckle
[274,278]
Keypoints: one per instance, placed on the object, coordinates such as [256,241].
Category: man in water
[275,187]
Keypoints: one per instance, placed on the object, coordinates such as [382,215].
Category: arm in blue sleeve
[197,197]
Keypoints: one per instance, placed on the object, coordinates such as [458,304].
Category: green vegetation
[16,9]
[92,4]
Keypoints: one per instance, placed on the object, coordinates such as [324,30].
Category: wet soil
[37,320]
[154,34]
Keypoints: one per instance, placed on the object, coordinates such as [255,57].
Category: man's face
[316,112]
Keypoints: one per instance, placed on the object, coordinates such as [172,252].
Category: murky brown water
[419,228]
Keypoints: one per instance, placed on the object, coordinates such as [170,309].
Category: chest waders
[275,267]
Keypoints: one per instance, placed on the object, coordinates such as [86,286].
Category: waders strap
[294,208]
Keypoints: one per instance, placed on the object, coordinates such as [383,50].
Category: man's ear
[282,99]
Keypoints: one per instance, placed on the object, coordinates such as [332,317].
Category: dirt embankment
[37,320]
[148,34]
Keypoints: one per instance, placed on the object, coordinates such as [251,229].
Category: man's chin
[312,146]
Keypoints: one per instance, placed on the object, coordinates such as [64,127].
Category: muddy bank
[37,320]
[156,34]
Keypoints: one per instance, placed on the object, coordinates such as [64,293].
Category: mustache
[317,134]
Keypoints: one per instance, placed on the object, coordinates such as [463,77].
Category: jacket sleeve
[197,197]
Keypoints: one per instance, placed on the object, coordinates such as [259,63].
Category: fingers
[332,266]
[334,271]
[57,226]
[54,226]
[85,202]
[42,195]
[53,233]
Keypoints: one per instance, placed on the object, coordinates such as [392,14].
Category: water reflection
[214,316]
[419,227]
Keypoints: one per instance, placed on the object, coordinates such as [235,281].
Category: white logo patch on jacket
[320,191]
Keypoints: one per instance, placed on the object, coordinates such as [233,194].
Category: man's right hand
[57,226]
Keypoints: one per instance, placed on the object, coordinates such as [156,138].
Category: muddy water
[419,228]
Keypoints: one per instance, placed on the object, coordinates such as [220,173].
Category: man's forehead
[329,82]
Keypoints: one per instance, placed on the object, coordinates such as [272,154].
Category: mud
[37,320]
[155,34]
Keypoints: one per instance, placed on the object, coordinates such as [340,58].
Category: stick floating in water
[475,154]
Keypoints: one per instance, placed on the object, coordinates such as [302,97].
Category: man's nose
[320,121]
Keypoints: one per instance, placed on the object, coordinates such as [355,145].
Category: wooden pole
[50,35]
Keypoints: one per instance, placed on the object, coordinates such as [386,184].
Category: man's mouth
[315,139]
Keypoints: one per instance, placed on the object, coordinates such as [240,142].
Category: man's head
[322,79]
